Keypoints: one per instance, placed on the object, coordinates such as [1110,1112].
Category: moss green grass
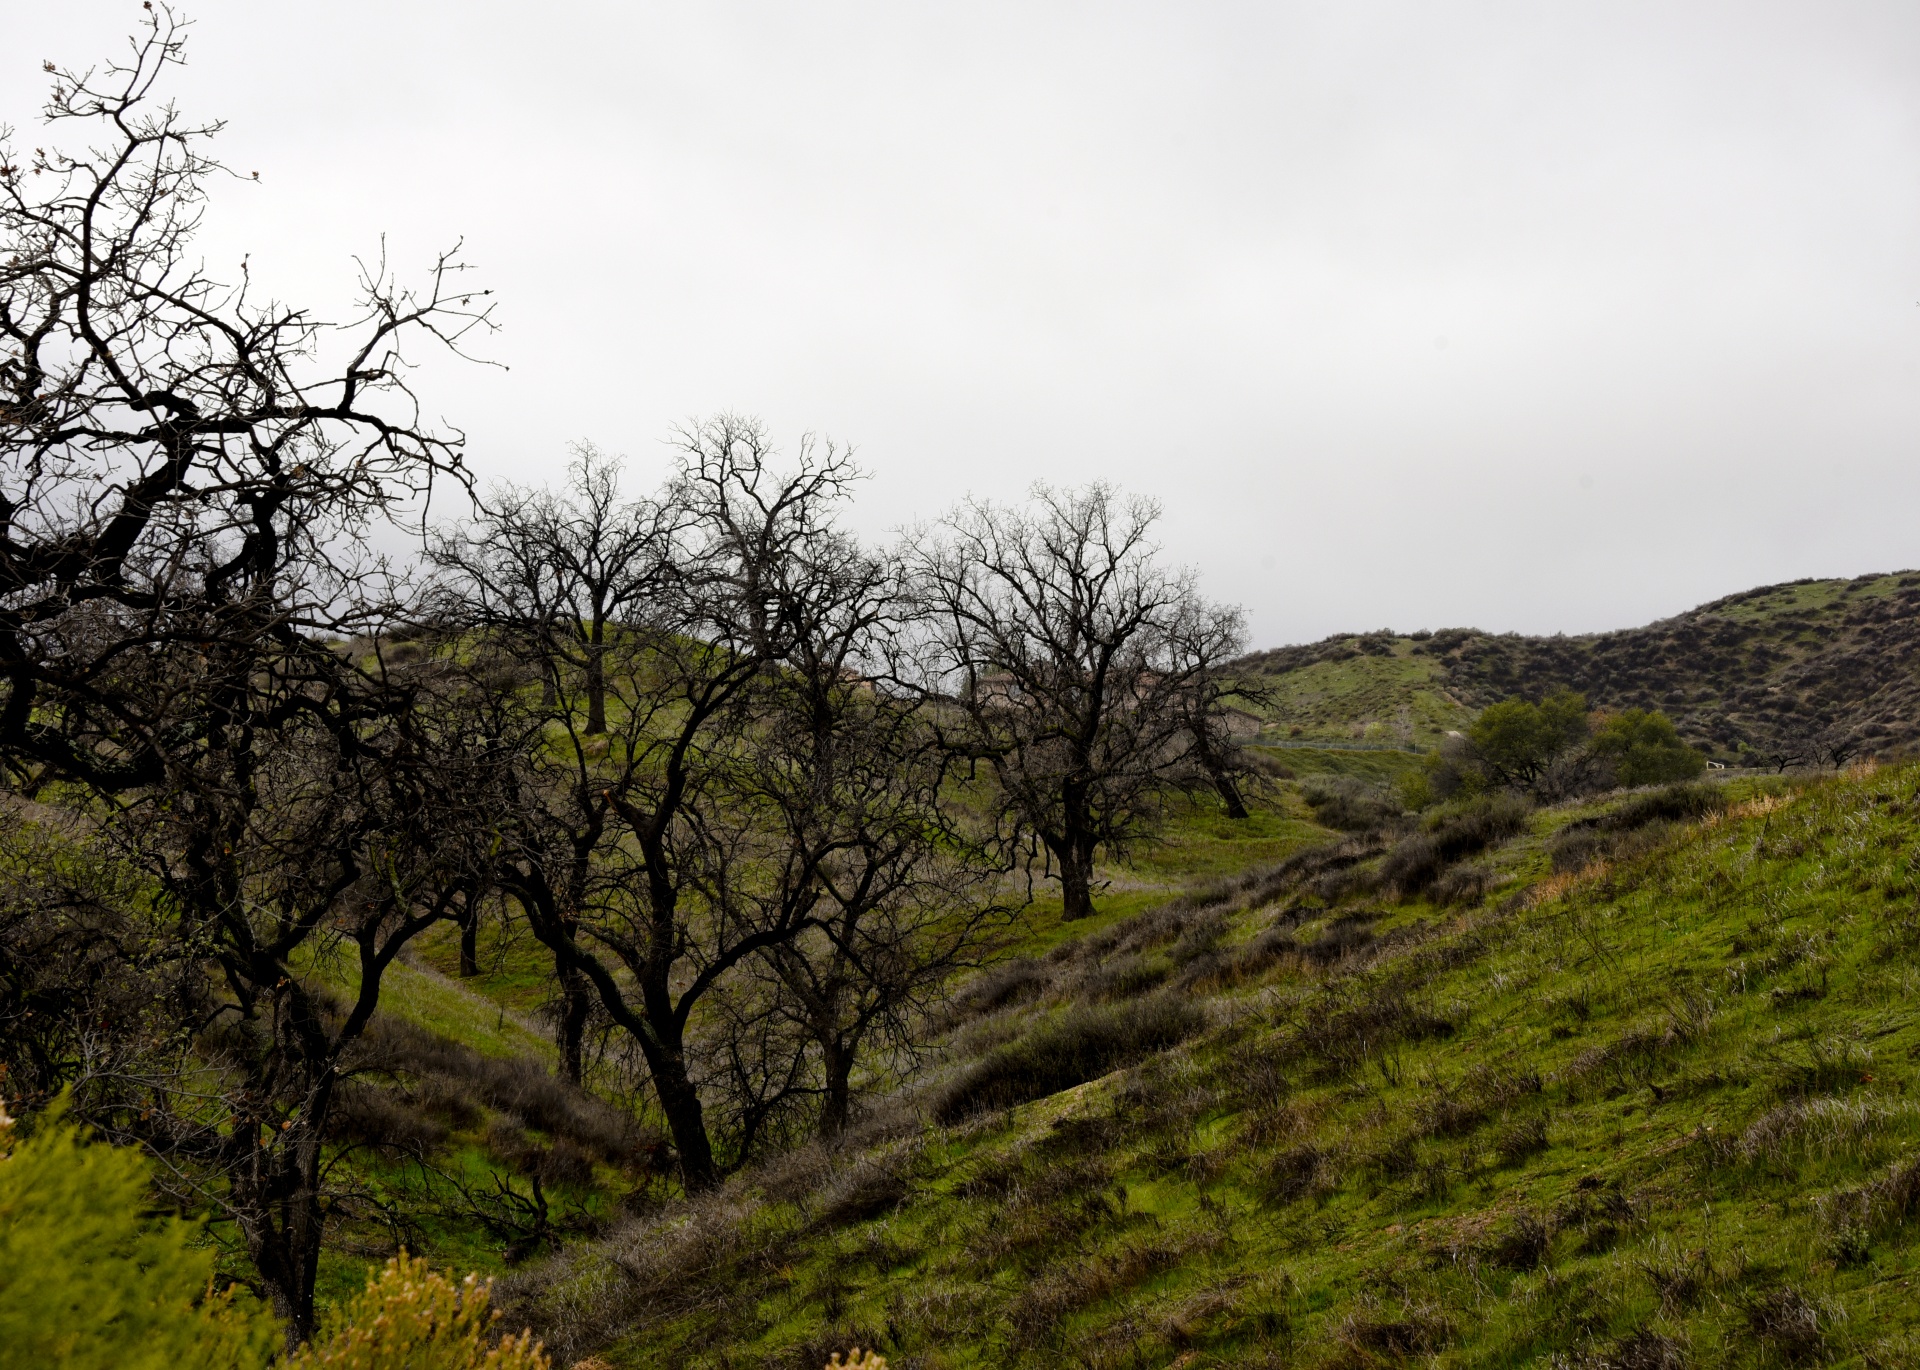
[1393,698]
[1661,1113]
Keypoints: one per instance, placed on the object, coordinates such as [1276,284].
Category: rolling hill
[1620,1084]
[1812,672]
[1638,1096]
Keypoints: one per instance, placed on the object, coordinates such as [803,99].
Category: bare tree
[642,866]
[546,577]
[903,919]
[293,855]
[183,478]
[558,571]
[1067,656]
[168,448]
[1206,704]
[847,766]
[754,1066]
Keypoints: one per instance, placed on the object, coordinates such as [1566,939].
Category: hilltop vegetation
[1812,672]
[1646,1100]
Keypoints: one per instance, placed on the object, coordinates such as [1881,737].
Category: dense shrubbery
[1640,747]
[1349,804]
[1634,826]
[453,1082]
[409,1317]
[86,1281]
[1554,749]
[1776,677]
[1516,742]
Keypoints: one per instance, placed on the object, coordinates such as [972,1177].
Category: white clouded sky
[1535,317]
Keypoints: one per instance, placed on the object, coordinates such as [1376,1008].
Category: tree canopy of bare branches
[744,847]
[1070,661]
[640,865]
[560,569]
[185,474]
[174,455]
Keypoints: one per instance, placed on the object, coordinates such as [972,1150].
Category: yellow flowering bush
[410,1317]
[858,1360]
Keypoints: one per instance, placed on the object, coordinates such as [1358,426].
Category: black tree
[1071,662]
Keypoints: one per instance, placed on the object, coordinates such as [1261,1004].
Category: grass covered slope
[1799,672]
[1656,1108]
[1396,695]
[455,1140]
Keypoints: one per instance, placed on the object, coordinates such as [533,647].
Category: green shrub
[1349,804]
[1644,749]
[1417,861]
[1415,788]
[1517,740]
[1634,826]
[1675,804]
[88,1279]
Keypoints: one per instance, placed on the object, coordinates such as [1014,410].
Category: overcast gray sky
[1535,317]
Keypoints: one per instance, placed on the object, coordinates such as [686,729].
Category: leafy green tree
[1644,749]
[88,1280]
[1516,741]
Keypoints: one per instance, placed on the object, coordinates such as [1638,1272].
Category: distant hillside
[1815,671]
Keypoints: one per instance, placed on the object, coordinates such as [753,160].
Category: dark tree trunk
[654,1029]
[276,1201]
[570,1030]
[596,685]
[837,1110]
[1229,794]
[686,1120]
[1073,848]
[469,942]
[1208,753]
[289,1270]
[1076,879]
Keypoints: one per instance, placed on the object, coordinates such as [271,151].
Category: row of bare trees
[757,792]
[781,775]
[730,822]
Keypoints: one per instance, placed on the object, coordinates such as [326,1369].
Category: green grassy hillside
[1397,696]
[453,1112]
[1644,1095]
[1814,671]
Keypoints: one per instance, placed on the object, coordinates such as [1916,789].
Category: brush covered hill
[1817,671]
[1631,1083]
